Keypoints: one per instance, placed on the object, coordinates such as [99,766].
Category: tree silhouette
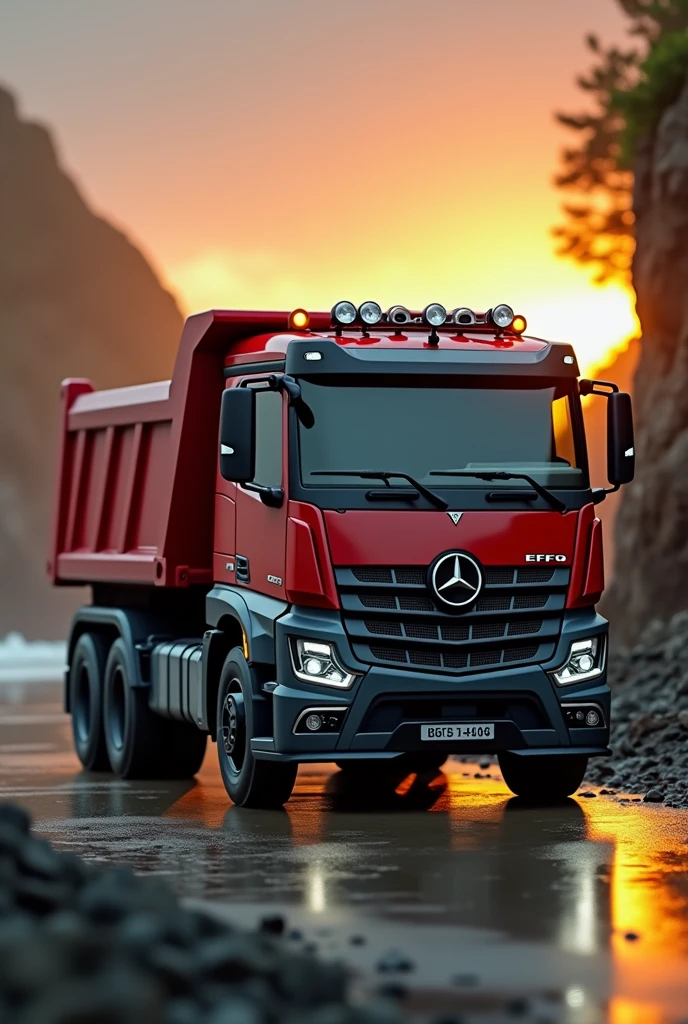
[629,89]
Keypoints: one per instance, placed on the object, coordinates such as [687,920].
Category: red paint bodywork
[140,500]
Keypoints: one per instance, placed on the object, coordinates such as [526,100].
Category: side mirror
[238,435]
[620,443]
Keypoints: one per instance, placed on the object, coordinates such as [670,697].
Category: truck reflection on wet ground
[478,891]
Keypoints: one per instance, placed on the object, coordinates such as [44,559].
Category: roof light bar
[463,316]
[299,319]
[399,315]
[502,316]
[519,324]
[370,313]
[344,313]
[434,314]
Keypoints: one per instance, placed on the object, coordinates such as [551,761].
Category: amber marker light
[299,320]
[519,324]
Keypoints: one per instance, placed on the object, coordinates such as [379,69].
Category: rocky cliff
[651,567]
[76,299]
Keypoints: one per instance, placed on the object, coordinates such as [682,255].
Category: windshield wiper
[550,498]
[370,474]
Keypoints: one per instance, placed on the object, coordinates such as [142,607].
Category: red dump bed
[137,466]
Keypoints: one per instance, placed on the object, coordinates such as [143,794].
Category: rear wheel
[141,744]
[86,673]
[543,779]
[249,782]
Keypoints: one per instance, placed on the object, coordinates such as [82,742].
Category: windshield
[417,430]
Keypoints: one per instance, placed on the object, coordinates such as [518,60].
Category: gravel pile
[650,717]
[81,945]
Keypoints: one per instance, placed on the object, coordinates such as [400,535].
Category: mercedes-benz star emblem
[455,579]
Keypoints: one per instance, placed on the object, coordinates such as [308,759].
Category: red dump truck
[359,537]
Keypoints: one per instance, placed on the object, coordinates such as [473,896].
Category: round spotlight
[502,316]
[314,722]
[299,319]
[434,314]
[344,313]
[370,313]
[398,315]
[519,325]
[463,316]
[592,718]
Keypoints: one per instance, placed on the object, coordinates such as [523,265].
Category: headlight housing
[317,662]
[585,661]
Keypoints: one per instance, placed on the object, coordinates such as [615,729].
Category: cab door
[261,530]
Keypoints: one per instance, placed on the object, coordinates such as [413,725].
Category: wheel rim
[117,709]
[233,731]
[81,712]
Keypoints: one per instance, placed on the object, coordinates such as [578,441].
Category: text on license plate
[457,731]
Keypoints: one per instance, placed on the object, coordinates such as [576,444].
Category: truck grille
[391,619]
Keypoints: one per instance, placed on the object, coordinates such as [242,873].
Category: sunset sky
[275,153]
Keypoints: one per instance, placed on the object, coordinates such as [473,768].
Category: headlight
[316,662]
[585,661]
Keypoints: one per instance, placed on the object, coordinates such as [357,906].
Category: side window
[268,438]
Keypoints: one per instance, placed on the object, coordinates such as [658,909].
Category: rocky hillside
[76,299]
[651,575]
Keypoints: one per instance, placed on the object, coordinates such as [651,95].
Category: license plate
[457,731]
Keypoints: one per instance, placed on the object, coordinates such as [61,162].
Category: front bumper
[386,706]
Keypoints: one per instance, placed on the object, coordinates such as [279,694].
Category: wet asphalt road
[582,909]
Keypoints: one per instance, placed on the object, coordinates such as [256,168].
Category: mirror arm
[272,496]
[597,387]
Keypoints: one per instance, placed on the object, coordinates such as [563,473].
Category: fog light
[314,722]
[592,718]
[585,661]
[317,662]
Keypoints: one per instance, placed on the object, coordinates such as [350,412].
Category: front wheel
[543,779]
[249,782]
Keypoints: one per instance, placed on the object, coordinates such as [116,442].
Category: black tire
[86,675]
[140,743]
[406,764]
[249,782]
[543,779]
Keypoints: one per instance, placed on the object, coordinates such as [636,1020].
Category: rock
[588,794]
[84,945]
[654,796]
[652,523]
[682,717]
[77,299]
[273,925]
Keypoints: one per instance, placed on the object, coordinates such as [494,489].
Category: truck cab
[360,537]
